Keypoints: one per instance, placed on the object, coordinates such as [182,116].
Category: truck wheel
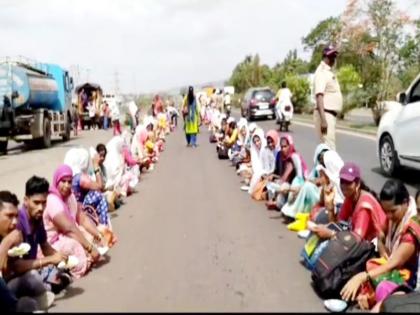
[46,139]
[3,147]
[67,132]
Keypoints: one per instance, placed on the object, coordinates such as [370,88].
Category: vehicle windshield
[264,95]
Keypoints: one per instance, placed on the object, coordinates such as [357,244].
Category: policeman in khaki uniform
[329,100]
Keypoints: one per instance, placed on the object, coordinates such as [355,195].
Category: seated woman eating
[288,176]
[69,229]
[398,248]
[309,193]
[245,167]
[268,155]
[257,145]
[232,135]
[360,208]
[239,151]
[310,199]
[88,192]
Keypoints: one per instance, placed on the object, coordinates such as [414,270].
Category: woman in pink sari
[69,230]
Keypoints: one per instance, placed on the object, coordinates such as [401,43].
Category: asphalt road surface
[189,239]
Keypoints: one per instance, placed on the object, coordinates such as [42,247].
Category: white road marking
[345,132]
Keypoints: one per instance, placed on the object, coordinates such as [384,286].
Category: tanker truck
[35,103]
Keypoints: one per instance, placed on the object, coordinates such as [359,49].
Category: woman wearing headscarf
[192,119]
[258,144]
[238,152]
[158,105]
[117,176]
[138,144]
[88,192]
[245,167]
[289,175]
[268,155]
[360,207]
[309,193]
[398,247]
[69,229]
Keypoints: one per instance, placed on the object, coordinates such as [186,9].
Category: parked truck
[35,103]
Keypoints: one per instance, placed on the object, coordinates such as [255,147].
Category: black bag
[222,153]
[407,303]
[344,256]
[212,138]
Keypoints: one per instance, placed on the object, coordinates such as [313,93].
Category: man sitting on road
[11,299]
[31,225]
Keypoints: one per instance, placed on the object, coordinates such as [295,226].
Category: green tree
[351,88]
[325,32]
[299,86]
[250,73]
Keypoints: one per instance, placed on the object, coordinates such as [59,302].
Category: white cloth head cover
[333,164]
[114,161]
[256,159]
[78,159]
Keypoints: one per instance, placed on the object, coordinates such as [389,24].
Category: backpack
[222,153]
[407,303]
[212,138]
[345,256]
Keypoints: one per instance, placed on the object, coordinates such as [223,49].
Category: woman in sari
[192,119]
[117,177]
[398,247]
[232,135]
[138,144]
[289,175]
[69,230]
[258,144]
[157,105]
[238,153]
[360,208]
[88,192]
[245,167]
[310,193]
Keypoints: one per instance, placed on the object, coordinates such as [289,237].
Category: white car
[398,137]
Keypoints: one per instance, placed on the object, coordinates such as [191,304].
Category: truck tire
[67,132]
[3,147]
[46,138]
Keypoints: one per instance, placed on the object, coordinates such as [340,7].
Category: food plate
[19,251]
[304,234]
[311,224]
[335,305]
[103,250]
[72,262]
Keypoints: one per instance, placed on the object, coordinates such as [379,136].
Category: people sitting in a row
[332,193]
[68,220]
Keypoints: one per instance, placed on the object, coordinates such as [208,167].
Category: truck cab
[36,102]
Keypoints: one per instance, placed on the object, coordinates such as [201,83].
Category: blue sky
[159,44]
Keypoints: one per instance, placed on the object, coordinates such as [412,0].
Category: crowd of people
[321,203]
[67,222]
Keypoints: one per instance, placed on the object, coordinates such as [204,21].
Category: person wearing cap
[398,248]
[360,209]
[329,100]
